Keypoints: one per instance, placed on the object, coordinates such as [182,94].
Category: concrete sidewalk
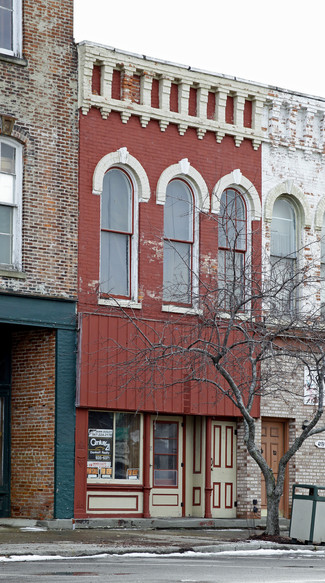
[97,536]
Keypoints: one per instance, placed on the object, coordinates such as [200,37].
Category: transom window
[113,446]
[116,234]
[10,27]
[10,199]
[284,254]
[178,243]
[232,241]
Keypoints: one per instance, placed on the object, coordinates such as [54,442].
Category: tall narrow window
[10,198]
[232,240]
[178,243]
[322,270]
[165,454]
[116,234]
[283,255]
[10,27]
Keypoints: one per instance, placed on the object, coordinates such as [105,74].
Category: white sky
[280,42]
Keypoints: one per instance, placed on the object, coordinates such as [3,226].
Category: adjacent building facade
[38,257]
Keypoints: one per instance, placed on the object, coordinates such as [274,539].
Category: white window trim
[184,171]
[17,32]
[170,307]
[16,263]
[239,182]
[120,303]
[302,218]
[134,243]
[141,193]
[250,215]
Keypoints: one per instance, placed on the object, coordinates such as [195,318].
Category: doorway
[273,443]
[167,467]
[223,469]
[5,376]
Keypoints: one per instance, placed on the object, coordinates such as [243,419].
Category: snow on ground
[243,553]
[33,528]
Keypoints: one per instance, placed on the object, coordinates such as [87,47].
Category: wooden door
[223,469]
[167,465]
[273,445]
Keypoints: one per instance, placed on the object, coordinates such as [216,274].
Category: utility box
[308,513]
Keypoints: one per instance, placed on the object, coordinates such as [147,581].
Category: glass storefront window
[113,446]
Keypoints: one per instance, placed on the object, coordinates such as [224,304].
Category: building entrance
[4,426]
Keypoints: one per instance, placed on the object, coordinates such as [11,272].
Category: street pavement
[34,538]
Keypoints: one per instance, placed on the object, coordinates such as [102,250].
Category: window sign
[113,446]
[310,387]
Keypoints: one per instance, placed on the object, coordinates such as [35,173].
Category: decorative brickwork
[32,424]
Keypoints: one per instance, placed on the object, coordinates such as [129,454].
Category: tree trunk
[272,519]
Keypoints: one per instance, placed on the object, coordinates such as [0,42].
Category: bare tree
[252,317]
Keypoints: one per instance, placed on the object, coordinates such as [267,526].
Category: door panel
[272,443]
[223,469]
[166,462]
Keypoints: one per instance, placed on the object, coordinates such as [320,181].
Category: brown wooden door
[273,444]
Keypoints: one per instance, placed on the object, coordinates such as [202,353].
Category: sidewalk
[26,537]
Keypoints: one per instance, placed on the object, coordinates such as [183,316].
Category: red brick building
[38,257]
[151,132]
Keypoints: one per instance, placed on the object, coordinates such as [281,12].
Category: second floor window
[10,203]
[116,234]
[322,269]
[232,242]
[10,27]
[283,255]
[178,243]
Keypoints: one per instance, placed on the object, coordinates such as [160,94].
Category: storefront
[155,465]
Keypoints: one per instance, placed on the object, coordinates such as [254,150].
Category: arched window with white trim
[232,243]
[179,237]
[117,230]
[284,254]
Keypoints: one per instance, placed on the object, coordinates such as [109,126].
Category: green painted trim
[35,311]
[65,423]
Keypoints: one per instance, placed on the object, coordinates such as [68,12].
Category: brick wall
[33,424]
[40,93]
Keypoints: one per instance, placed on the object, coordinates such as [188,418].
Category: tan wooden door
[167,464]
[273,443]
[223,469]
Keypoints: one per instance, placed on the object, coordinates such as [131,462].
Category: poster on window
[310,387]
[100,445]
[99,470]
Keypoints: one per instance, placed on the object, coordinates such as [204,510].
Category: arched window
[284,254]
[232,243]
[116,233]
[178,243]
[10,203]
[322,269]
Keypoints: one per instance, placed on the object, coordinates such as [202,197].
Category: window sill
[14,60]
[12,273]
[119,303]
[181,310]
